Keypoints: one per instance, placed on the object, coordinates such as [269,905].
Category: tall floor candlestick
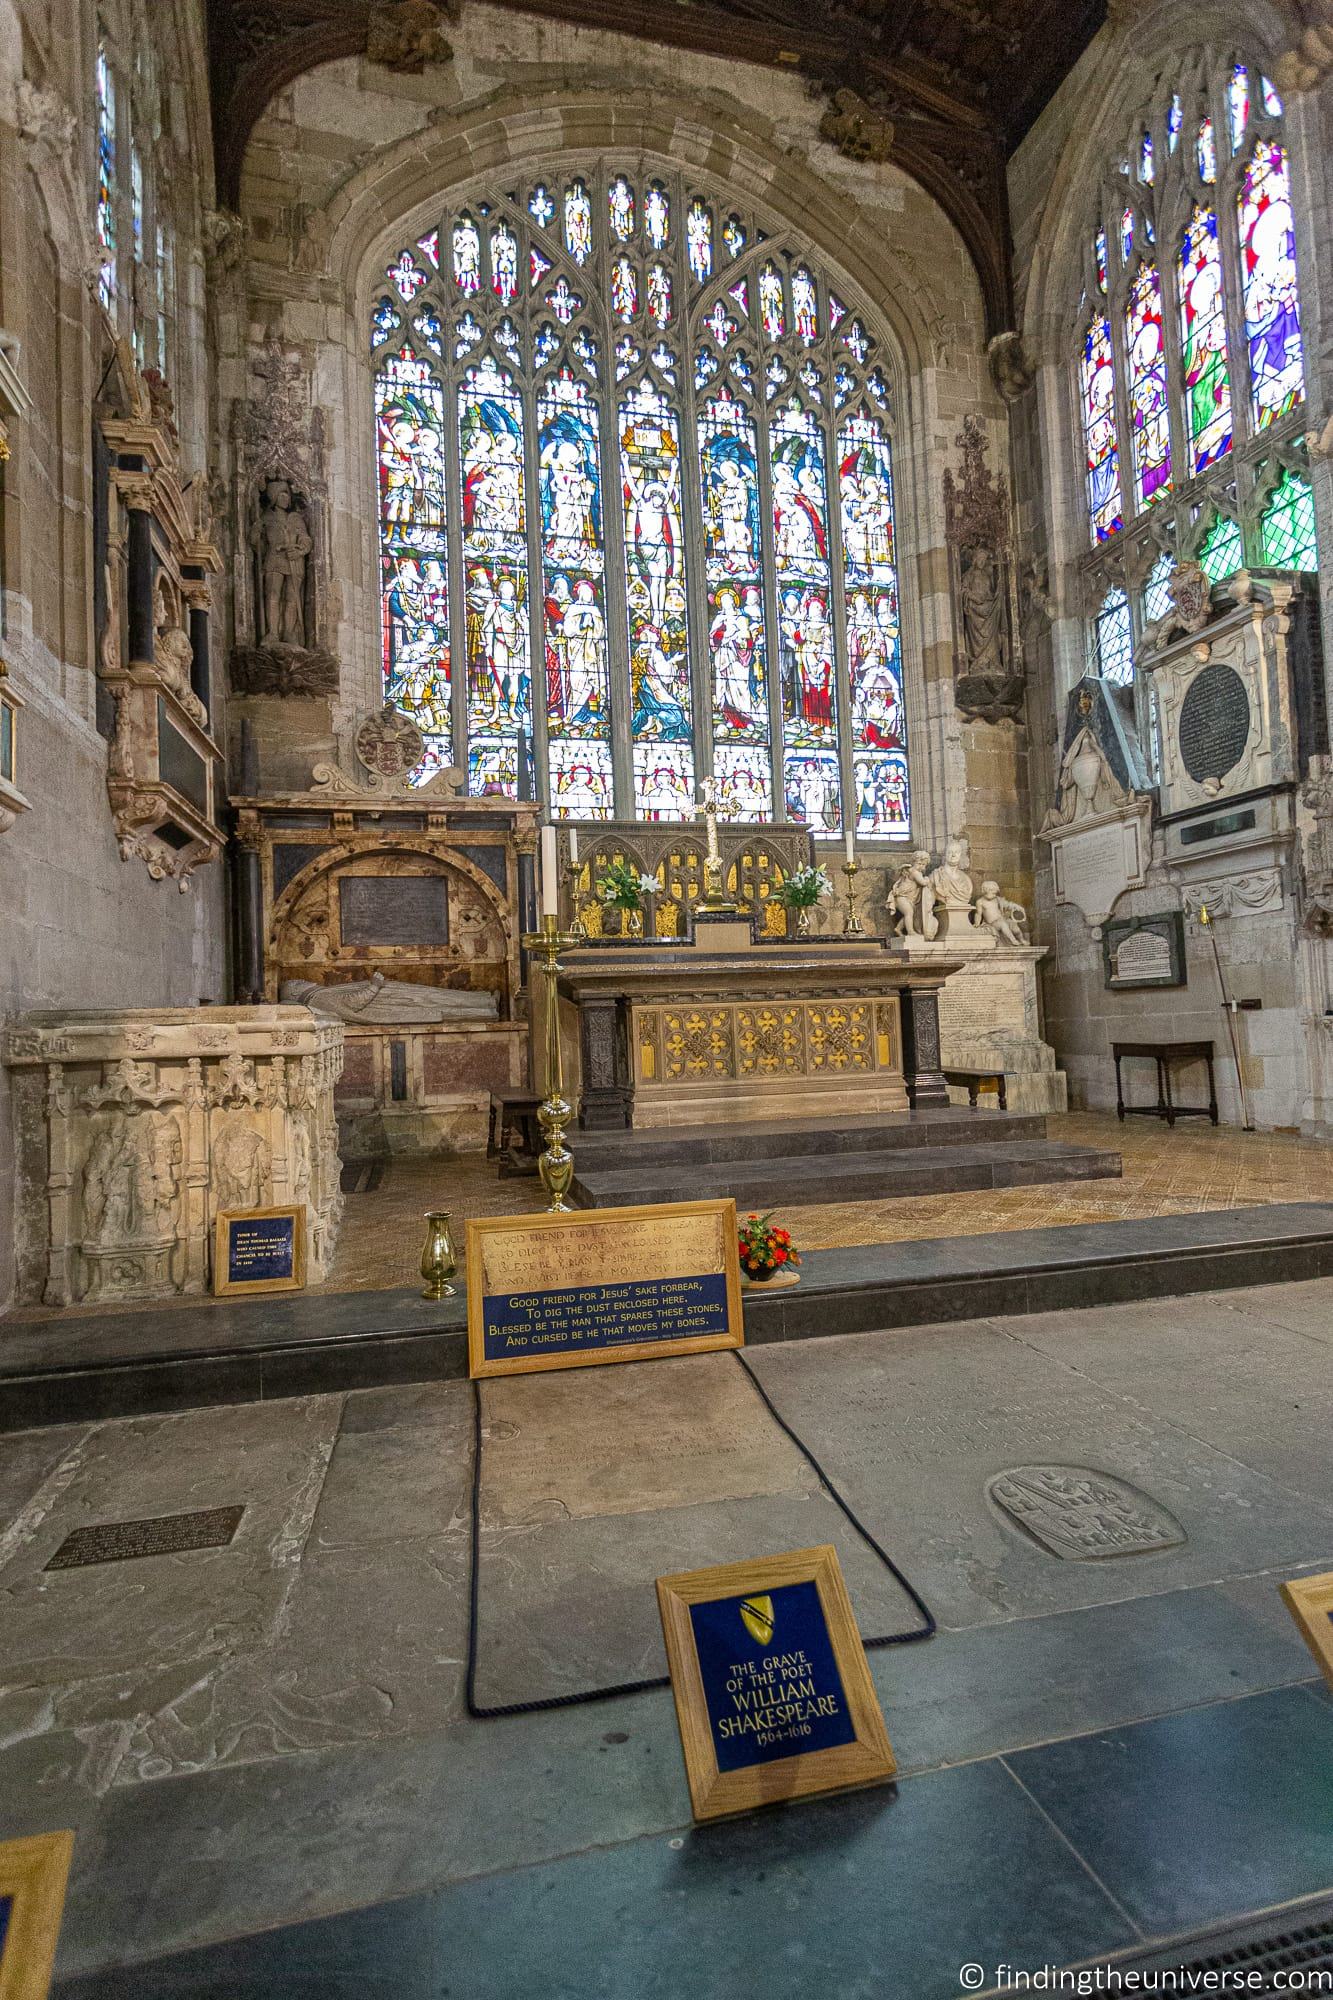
[556,1164]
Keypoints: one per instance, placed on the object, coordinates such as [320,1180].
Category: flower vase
[762,1275]
[439,1260]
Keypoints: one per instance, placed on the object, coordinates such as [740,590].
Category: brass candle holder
[556,1164]
[439,1260]
[578,931]
[853,926]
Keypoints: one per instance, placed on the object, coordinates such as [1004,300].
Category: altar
[729,1026]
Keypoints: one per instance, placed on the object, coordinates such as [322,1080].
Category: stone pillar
[140,592]
[197,595]
[922,1075]
[249,909]
[607,1100]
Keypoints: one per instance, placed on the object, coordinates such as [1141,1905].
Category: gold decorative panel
[755,860]
[747,1041]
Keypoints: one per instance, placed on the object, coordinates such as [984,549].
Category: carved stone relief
[988,680]
[857,130]
[405,35]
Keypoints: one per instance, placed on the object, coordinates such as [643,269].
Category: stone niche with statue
[988,1009]
[134,1129]
[396,911]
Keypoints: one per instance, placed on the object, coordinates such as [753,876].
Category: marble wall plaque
[773,1695]
[623,1284]
[393,909]
[1214,725]
[1081,1515]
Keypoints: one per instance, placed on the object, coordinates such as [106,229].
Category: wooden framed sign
[259,1250]
[33,1873]
[1310,1601]
[773,1694]
[606,1284]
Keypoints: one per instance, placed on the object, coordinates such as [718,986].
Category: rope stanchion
[483,1712]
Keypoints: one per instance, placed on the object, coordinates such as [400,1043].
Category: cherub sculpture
[910,897]
[1004,920]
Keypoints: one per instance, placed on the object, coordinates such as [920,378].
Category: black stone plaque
[166,1535]
[394,909]
[1214,722]
[1144,951]
[289,858]
[180,764]
[1217,829]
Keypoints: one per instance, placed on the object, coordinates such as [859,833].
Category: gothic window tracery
[637,509]
[1189,375]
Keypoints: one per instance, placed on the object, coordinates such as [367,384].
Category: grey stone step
[767,1139]
[799,1179]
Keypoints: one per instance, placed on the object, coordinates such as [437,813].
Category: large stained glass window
[1189,365]
[636,478]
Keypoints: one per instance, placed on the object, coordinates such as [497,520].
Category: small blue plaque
[771,1681]
[6,1905]
[260,1247]
[520,1326]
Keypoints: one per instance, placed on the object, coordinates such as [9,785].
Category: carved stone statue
[281,539]
[242,1165]
[173,655]
[1004,920]
[857,130]
[951,882]
[381,1002]
[908,913]
[984,637]
[1012,368]
[1085,785]
[405,35]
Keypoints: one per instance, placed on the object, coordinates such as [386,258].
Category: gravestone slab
[1081,1515]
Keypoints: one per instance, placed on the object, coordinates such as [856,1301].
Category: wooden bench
[971,1080]
[1164,1054]
[510,1110]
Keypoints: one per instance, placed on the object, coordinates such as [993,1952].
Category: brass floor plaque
[166,1535]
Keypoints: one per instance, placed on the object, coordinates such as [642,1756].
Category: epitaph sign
[1145,951]
[393,909]
[773,1695]
[259,1250]
[160,1535]
[617,1284]
[1310,1602]
[33,1874]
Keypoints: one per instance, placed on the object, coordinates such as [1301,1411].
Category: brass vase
[802,920]
[438,1259]
[633,923]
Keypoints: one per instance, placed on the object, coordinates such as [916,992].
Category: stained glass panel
[1203,343]
[1146,159]
[812,785]
[1238,105]
[1115,639]
[657,215]
[1150,429]
[504,264]
[660,696]
[578,222]
[467,257]
[699,240]
[805,628]
[1287,527]
[495,574]
[874,651]
[409,408]
[1268,279]
[772,310]
[1099,258]
[1099,430]
[578,693]
[733,567]
[624,289]
[1174,121]
[663,780]
[804,306]
[1156,593]
[106,183]
[1223,550]
[744,774]
[659,294]
[620,207]
[1206,151]
[1272,102]
[733,235]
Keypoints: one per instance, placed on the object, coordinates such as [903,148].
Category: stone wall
[78,926]
[353,158]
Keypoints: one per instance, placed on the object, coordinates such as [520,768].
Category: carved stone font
[135,1128]
[988,676]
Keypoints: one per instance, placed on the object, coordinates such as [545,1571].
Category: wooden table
[971,1080]
[1164,1054]
[510,1108]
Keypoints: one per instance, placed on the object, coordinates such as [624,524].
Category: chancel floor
[277,1792]
[1178,1171]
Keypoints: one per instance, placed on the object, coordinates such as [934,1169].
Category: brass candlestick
[556,1164]
[438,1259]
[578,932]
[853,926]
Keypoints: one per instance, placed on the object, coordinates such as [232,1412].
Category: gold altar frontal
[728,1029]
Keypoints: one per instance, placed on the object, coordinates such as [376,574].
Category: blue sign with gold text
[260,1247]
[771,1681]
[570,1320]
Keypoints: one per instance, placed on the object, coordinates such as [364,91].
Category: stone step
[801,1180]
[766,1139]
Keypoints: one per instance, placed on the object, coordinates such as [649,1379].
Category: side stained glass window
[106,182]
[1114,639]
[636,471]
[1203,343]
[1287,525]
[1099,429]
[1149,415]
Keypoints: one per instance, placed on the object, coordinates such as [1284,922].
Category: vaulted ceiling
[959,81]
